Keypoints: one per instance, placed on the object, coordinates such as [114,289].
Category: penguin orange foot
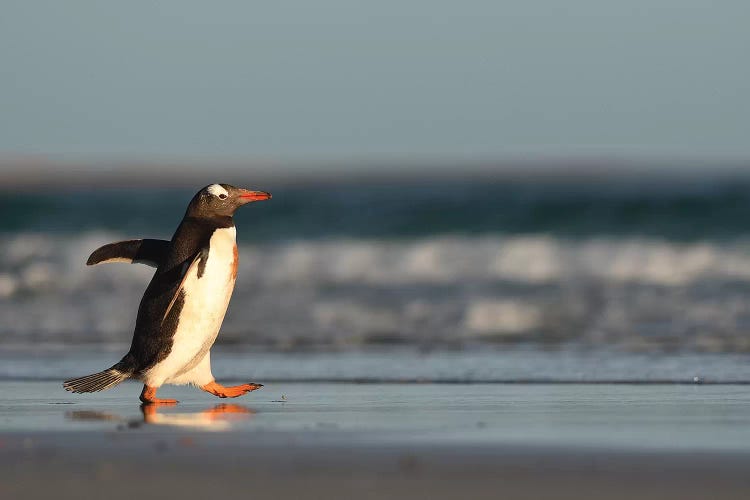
[148,397]
[229,392]
[184,305]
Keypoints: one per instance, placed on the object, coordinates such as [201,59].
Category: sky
[407,79]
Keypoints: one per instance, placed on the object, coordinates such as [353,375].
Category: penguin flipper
[150,252]
[195,263]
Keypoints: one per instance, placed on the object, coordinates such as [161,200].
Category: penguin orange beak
[249,196]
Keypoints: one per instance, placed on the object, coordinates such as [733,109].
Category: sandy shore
[379,441]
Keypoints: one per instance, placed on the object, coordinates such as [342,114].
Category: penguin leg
[229,392]
[148,397]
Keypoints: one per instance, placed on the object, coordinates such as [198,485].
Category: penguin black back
[154,329]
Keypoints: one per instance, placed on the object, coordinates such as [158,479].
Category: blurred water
[628,263]
[682,206]
[404,364]
[687,419]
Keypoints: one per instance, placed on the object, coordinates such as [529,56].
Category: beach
[396,440]
[523,338]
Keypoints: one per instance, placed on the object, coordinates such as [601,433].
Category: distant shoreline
[35,171]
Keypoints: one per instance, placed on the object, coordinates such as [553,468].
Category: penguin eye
[223,196]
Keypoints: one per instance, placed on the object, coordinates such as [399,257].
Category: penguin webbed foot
[230,392]
[148,397]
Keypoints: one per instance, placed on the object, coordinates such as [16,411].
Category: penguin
[184,305]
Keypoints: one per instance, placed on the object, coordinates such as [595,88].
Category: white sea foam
[521,259]
[501,317]
[639,292]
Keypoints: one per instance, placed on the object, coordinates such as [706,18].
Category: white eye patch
[217,190]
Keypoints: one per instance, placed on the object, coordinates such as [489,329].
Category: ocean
[630,262]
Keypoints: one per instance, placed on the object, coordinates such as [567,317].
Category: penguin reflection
[217,418]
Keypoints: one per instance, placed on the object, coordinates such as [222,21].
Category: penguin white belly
[205,303]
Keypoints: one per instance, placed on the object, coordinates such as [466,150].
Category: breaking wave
[640,293]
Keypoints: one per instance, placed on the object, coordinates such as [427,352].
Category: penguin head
[222,200]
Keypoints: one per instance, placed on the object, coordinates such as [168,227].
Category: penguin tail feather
[96,382]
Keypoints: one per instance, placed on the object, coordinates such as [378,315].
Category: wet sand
[294,440]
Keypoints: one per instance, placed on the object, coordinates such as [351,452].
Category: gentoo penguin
[184,305]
